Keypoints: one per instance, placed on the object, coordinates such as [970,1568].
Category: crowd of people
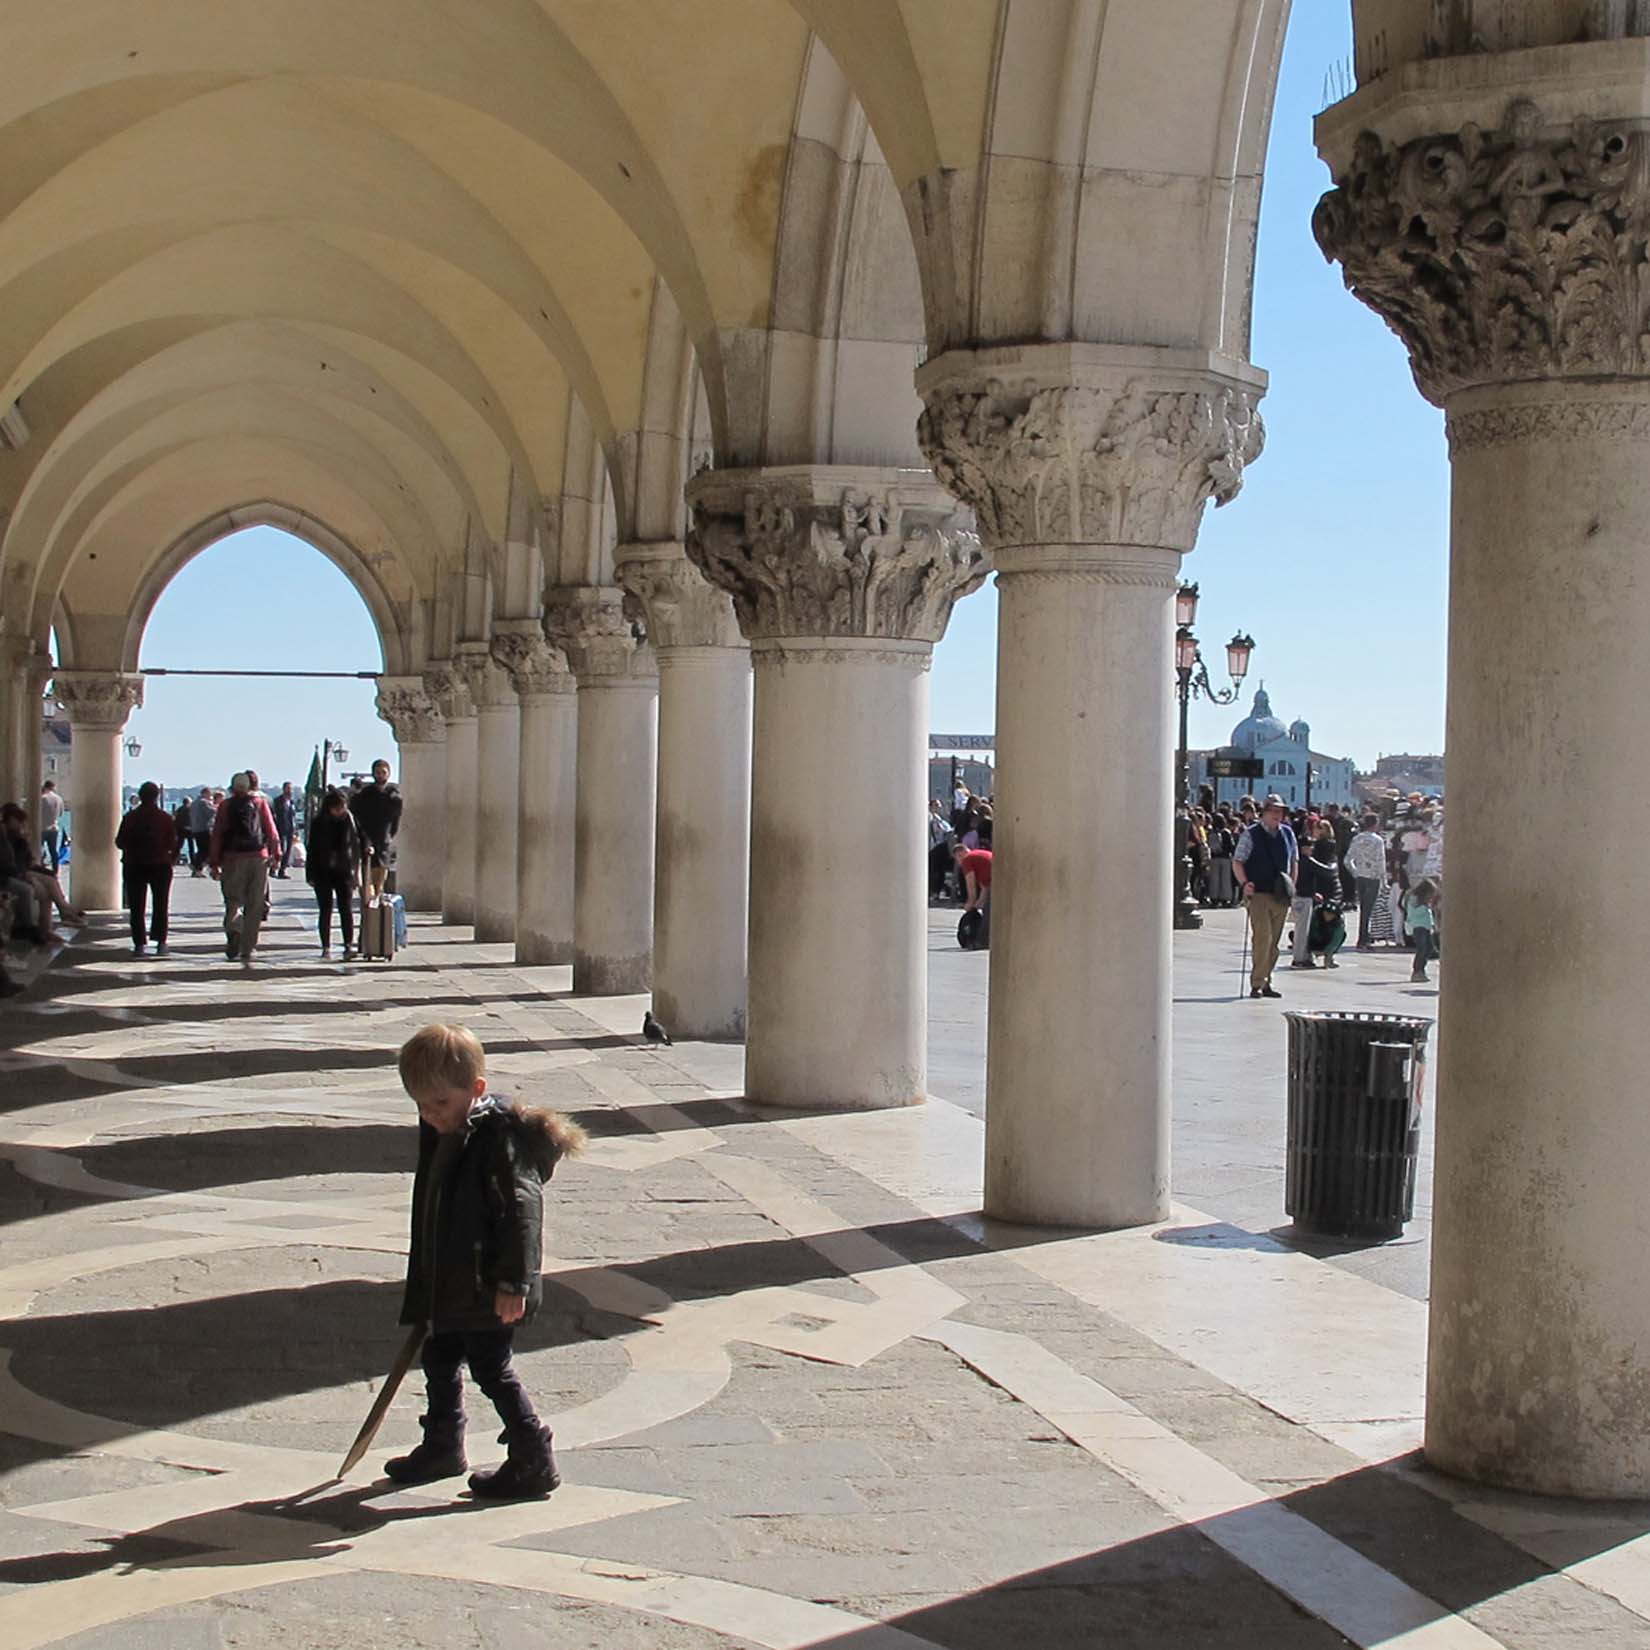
[960,860]
[1315,868]
[241,838]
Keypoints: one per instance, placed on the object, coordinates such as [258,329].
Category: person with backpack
[244,842]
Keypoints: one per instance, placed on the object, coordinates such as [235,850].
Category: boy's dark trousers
[487,1351]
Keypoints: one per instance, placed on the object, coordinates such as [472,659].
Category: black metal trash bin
[1354,1122]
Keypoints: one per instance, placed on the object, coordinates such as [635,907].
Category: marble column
[498,765]
[1089,468]
[547,694]
[451,692]
[702,865]
[842,579]
[97,703]
[1504,242]
[613,832]
[421,845]
[19,680]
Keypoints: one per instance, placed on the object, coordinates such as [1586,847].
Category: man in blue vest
[1264,863]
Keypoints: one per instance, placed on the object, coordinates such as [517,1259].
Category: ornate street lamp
[1192,679]
[133,746]
[329,749]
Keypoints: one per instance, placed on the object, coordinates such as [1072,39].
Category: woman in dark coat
[330,857]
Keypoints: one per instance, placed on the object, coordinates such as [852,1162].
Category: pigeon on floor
[653,1031]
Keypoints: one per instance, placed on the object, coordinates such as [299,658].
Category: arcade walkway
[802,1396]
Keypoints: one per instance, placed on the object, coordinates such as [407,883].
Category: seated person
[45,880]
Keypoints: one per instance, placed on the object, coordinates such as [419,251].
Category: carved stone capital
[599,629]
[536,670]
[407,705]
[1501,256]
[450,689]
[489,684]
[1082,445]
[680,607]
[834,551]
[97,698]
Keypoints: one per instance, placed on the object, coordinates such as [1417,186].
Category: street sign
[962,741]
[1236,767]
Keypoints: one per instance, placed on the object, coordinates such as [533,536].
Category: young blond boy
[474,1257]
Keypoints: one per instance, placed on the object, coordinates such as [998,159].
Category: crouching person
[474,1258]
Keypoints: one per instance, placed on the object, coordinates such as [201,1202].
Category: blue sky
[1334,557]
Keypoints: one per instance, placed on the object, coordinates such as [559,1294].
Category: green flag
[312,787]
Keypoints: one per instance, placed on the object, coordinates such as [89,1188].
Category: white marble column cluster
[701,879]
[450,690]
[24,672]
[498,763]
[421,772]
[98,703]
[1498,226]
[618,688]
[547,694]
[1088,468]
[842,580]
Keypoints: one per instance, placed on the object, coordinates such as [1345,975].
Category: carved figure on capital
[450,690]
[1131,462]
[490,685]
[1516,254]
[679,606]
[535,668]
[98,699]
[407,705]
[596,627]
[823,553]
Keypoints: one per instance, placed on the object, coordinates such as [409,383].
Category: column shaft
[498,757]
[838,933]
[614,834]
[1077,1129]
[701,884]
[458,886]
[94,873]
[1539,1367]
[421,846]
[544,838]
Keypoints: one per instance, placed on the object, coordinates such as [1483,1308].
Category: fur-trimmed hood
[546,1136]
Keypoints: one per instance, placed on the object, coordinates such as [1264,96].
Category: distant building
[1404,772]
[57,753]
[1284,754]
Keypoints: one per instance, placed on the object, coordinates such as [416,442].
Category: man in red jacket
[244,842]
[148,844]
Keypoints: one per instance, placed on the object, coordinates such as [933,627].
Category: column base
[613,976]
[534,951]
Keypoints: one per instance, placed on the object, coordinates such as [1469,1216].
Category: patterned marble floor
[803,1394]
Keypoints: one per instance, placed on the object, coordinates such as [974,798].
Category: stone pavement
[803,1394]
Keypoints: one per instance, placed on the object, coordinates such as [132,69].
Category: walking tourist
[148,844]
[1222,890]
[939,848]
[474,1261]
[1265,862]
[203,811]
[377,810]
[285,810]
[1420,910]
[242,847]
[51,820]
[1366,859]
[331,855]
[1321,883]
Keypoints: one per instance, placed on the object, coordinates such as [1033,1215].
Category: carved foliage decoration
[98,699]
[859,562]
[1082,464]
[406,704]
[450,690]
[534,667]
[599,633]
[679,606]
[1500,256]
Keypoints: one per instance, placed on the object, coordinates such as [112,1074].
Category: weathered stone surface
[407,704]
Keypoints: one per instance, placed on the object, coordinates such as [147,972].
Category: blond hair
[441,1057]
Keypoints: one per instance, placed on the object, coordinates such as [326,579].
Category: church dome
[1260,726]
[1300,733]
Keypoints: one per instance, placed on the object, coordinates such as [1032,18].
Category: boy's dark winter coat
[490,1219]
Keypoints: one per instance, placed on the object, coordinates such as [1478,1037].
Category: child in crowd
[1421,913]
[474,1257]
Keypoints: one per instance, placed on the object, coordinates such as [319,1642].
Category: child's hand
[509,1307]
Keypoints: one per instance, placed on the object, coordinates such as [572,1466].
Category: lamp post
[329,749]
[1192,680]
[133,746]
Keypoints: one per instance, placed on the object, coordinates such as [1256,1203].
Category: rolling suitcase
[378,929]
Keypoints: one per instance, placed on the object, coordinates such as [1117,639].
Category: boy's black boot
[441,1455]
[529,1469]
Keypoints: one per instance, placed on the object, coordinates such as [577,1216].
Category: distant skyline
[1334,557]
